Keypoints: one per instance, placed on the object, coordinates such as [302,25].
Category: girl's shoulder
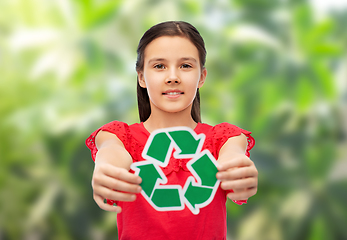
[115,126]
[229,129]
[124,131]
[222,129]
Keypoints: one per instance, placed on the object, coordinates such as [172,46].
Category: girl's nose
[173,77]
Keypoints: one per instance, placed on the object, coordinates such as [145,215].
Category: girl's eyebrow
[156,60]
[181,59]
[189,59]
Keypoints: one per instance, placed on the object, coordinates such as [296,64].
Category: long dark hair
[171,28]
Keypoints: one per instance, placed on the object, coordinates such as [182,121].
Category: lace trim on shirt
[120,129]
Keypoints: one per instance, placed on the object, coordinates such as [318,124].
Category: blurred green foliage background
[276,68]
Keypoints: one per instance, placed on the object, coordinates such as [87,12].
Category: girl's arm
[236,171]
[111,178]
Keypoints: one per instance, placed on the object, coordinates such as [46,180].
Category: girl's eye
[186,66]
[159,66]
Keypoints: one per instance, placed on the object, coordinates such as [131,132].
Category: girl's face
[171,73]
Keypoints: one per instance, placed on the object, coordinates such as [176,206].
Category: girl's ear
[202,77]
[141,79]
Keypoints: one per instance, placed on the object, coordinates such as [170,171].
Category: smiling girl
[170,69]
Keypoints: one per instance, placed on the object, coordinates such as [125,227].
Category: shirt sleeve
[223,132]
[120,129]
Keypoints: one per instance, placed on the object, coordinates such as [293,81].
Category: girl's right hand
[111,178]
[114,183]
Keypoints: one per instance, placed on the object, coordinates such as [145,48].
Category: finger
[122,174]
[114,195]
[100,202]
[240,184]
[242,195]
[241,161]
[237,173]
[116,184]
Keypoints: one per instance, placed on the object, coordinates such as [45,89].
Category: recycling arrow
[185,141]
[149,172]
[199,189]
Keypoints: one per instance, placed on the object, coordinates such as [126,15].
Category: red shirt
[139,220]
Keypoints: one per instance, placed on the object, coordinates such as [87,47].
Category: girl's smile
[173,93]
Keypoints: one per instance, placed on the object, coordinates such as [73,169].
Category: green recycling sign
[199,189]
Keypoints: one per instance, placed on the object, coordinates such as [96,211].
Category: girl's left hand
[239,174]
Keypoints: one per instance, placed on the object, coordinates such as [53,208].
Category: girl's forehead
[172,46]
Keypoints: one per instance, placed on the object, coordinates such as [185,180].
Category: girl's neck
[165,119]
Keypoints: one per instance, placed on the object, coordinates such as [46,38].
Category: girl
[170,69]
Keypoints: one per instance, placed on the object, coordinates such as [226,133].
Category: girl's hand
[238,173]
[111,177]
[114,183]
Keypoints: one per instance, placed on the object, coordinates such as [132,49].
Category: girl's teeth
[173,93]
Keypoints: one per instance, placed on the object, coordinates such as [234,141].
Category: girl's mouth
[172,93]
